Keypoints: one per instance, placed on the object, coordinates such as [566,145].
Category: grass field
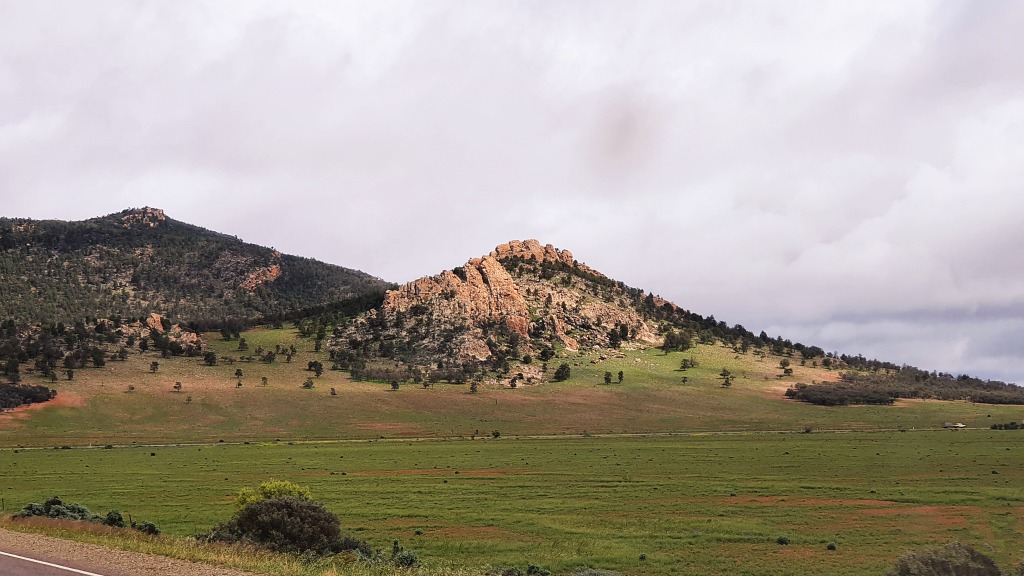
[718,475]
[96,408]
[695,504]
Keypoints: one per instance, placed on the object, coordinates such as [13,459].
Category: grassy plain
[692,504]
[718,476]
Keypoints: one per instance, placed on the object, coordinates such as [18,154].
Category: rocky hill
[522,301]
[140,261]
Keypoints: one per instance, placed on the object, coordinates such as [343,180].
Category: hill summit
[140,261]
[521,301]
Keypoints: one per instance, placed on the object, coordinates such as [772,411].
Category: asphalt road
[27,564]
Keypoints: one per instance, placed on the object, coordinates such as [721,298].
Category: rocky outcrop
[481,291]
[522,297]
[143,218]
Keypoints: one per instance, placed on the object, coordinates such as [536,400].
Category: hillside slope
[140,261]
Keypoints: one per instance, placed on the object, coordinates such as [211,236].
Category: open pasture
[688,504]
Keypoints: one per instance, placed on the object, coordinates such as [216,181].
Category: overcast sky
[846,174]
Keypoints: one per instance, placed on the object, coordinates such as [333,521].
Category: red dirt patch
[63,399]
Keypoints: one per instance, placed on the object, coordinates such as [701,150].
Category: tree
[474,387]
[263,381]
[70,374]
[210,358]
[563,373]
[394,384]
[334,392]
[620,376]
[177,386]
[238,373]
[308,384]
[242,344]
[188,400]
[726,377]
[153,366]
[607,377]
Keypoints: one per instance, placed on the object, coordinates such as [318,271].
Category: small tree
[238,373]
[474,387]
[177,386]
[334,392]
[621,375]
[563,373]
[242,344]
[263,381]
[188,400]
[394,384]
[607,377]
[308,384]
[70,374]
[210,358]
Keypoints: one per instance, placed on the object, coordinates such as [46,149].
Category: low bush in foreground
[56,509]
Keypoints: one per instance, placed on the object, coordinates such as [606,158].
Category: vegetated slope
[140,261]
[520,303]
[513,310]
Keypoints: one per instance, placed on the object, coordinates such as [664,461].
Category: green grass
[96,407]
[579,495]
[704,504]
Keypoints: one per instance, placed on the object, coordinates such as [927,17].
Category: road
[27,564]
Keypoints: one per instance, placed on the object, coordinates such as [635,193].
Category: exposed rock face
[143,218]
[481,291]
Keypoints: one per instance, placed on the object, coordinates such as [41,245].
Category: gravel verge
[103,560]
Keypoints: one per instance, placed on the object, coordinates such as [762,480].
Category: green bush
[285,524]
[146,528]
[114,519]
[271,489]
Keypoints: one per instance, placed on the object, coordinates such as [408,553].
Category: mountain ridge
[140,261]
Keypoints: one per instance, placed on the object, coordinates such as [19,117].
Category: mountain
[140,261]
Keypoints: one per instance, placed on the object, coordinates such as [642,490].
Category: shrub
[114,519]
[284,524]
[782,540]
[953,559]
[146,528]
[271,489]
[830,546]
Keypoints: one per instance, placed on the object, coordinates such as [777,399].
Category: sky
[844,174]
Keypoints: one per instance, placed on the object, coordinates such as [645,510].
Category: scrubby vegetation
[907,382]
[14,395]
[56,509]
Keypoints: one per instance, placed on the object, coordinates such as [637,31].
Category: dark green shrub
[114,519]
[146,528]
[830,546]
[954,559]
[594,572]
[285,524]
[31,509]
[782,540]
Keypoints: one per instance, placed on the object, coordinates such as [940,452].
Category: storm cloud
[845,174]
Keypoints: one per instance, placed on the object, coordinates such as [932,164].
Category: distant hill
[524,300]
[140,261]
